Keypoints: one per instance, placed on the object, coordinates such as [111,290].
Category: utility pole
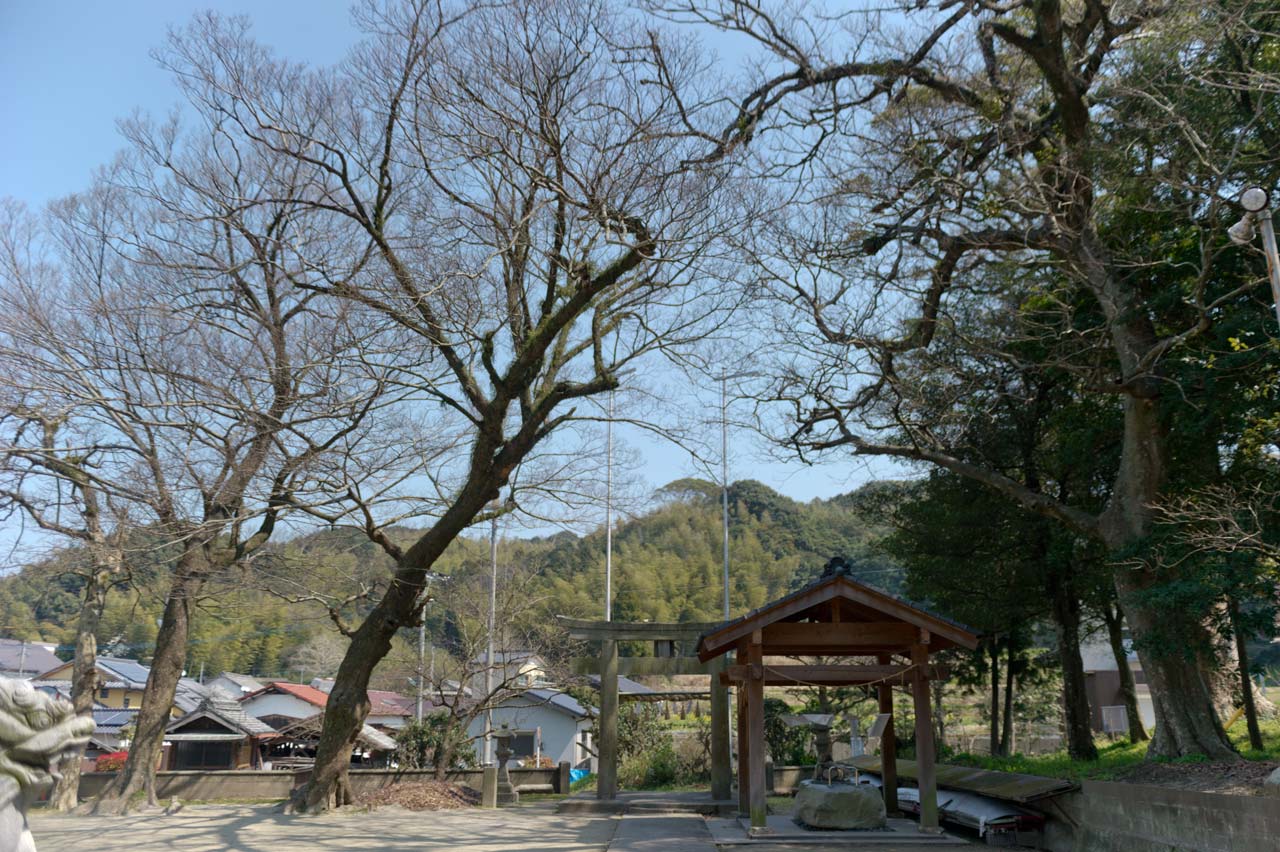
[422,652]
[724,510]
[493,619]
[724,482]
[608,515]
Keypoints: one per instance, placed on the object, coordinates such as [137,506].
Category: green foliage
[439,736]
[649,769]
[788,746]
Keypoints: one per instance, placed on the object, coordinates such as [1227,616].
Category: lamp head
[1254,199]
[1241,232]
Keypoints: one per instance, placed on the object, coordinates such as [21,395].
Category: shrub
[647,770]
[111,761]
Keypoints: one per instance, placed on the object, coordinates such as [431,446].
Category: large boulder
[839,806]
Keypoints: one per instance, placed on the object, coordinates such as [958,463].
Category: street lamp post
[1257,210]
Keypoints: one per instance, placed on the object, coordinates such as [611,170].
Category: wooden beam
[744,743]
[756,798]
[835,675]
[845,636]
[888,746]
[721,770]
[925,747]
[607,780]
[646,631]
[628,666]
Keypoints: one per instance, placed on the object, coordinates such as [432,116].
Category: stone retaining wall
[1114,817]
[197,786]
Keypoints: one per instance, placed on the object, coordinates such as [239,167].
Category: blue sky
[72,68]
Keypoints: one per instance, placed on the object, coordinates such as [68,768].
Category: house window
[104,693]
[522,744]
[126,702]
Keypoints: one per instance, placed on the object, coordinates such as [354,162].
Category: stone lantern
[507,794]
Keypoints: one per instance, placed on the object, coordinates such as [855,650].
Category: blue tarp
[576,775]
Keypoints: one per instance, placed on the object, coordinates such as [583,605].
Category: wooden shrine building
[835,616]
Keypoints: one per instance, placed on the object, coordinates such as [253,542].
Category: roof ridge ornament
[837,567]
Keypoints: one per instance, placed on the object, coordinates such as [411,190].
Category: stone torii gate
[670,640]
[835,616]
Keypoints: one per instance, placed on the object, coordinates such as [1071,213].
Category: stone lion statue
[36,731]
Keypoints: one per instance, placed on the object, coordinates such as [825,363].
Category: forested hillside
[667,564]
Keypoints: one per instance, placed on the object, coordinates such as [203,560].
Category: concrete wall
[207,786]
[1112,817]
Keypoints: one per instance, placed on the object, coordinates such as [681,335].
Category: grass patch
[1115,758]
[780,805]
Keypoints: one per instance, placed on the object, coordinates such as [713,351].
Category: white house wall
[279,705]
[560,731]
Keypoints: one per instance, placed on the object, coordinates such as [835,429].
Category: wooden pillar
[744,743]
[926,774]
[757,792]
[721,769]
[888,745]
[607,782]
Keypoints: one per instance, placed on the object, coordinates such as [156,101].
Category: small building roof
[246,682]
[26,658]
[854,618]
[310,727]
[386,703]
[120,673]
[626,686]
[301,691]
[109,721]
[223,709]
[552,698]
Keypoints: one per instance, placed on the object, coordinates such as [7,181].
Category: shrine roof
[853,603]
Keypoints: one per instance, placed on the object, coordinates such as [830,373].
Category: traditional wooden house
[217,734]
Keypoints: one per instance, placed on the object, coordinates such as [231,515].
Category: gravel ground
[260,828]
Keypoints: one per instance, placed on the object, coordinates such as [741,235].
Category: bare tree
[166,331]
[531,218]
[948,175]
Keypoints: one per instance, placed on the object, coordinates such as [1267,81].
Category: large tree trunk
[1186,722]
[1006,730]
[1185,719]
[139,772]
[1246,682]
[994,651]
[66,792]
[1113,616]
[348,705]
[1075,697]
